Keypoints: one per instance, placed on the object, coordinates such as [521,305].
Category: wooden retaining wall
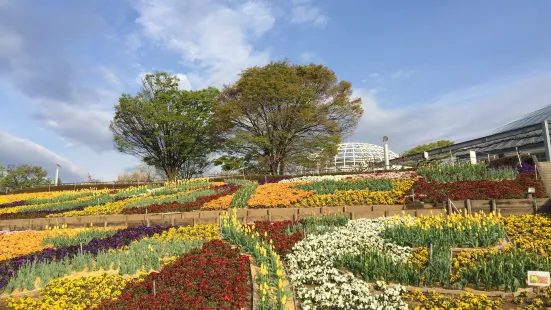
[505,207]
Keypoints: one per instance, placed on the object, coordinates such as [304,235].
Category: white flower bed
[375,175]
[311,263]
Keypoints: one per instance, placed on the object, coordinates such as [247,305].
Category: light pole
[57,174]
[387,162]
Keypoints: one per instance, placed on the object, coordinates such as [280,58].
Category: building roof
[531,118]
[361,153]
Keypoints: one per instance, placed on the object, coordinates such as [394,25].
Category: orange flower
[277,195]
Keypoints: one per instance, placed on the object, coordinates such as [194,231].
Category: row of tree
[273,118]
[23,176]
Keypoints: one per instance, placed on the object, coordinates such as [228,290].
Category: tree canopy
[23,176]
[166,127]
[279,112]
[429,146]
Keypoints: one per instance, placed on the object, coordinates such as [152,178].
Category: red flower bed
[214,277]
[181,207]
[506,189]
[276,231]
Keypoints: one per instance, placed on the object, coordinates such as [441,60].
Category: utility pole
[387,161]
[57,174]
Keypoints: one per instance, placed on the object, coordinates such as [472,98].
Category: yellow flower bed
[455,221]
[74,294]
[45,205]
[465,301]
[181,182]
[467,259]
[358,197]
[222,203]
[530,232]
[273,195]
[108,208]
[206,232]
[42,195]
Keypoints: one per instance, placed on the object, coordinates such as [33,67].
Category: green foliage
[164,126]
[82,237]
[64,205]
[331,186]
[58,199]
[142,255]
[437,270]
[184,198]
[373,266]
[275,113]
[243,194]
[427,147]
[230,163]
[23,176]
[465,172]
[504,270]
[2,173]
[191,185]
[318,225]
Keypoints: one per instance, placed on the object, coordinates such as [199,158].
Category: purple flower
[12,204]
[9,268]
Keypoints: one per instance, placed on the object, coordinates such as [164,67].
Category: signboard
[472,156]
[538,278]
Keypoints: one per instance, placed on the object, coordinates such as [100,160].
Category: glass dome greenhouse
[355,155]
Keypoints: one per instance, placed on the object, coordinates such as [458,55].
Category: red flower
[214,277]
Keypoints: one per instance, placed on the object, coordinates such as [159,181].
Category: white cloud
[374,75]
[305,12]
[212,37]
[403,74]
[184,82]
[132,42]
[88,127]
[461,115]
[110,77]
[19,151]
[11,42]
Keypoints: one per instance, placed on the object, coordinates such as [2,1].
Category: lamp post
[387,163]
[57,174]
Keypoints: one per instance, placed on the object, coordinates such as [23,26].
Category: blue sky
[425,70]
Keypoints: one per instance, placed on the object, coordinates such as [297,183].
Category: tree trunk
[171,173]
[282,166]
[273,168]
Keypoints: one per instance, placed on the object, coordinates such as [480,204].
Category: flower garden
[458,261]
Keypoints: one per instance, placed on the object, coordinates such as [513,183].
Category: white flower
[312,263]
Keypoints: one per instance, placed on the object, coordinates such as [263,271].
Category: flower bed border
[505,206]
[502,244]
[500,294]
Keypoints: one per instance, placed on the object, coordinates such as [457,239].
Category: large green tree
[281,111]
[427,147]
[24,176]
[164,126]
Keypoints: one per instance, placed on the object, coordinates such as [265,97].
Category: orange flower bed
[277,195]
[22,243]
[222,203]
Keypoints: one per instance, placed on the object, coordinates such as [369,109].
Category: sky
[425,70]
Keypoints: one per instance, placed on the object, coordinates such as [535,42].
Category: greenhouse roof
[532,118]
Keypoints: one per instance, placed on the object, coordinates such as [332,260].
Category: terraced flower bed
[329,262]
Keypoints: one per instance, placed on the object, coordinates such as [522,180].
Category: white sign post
[539,278]
[472,155]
